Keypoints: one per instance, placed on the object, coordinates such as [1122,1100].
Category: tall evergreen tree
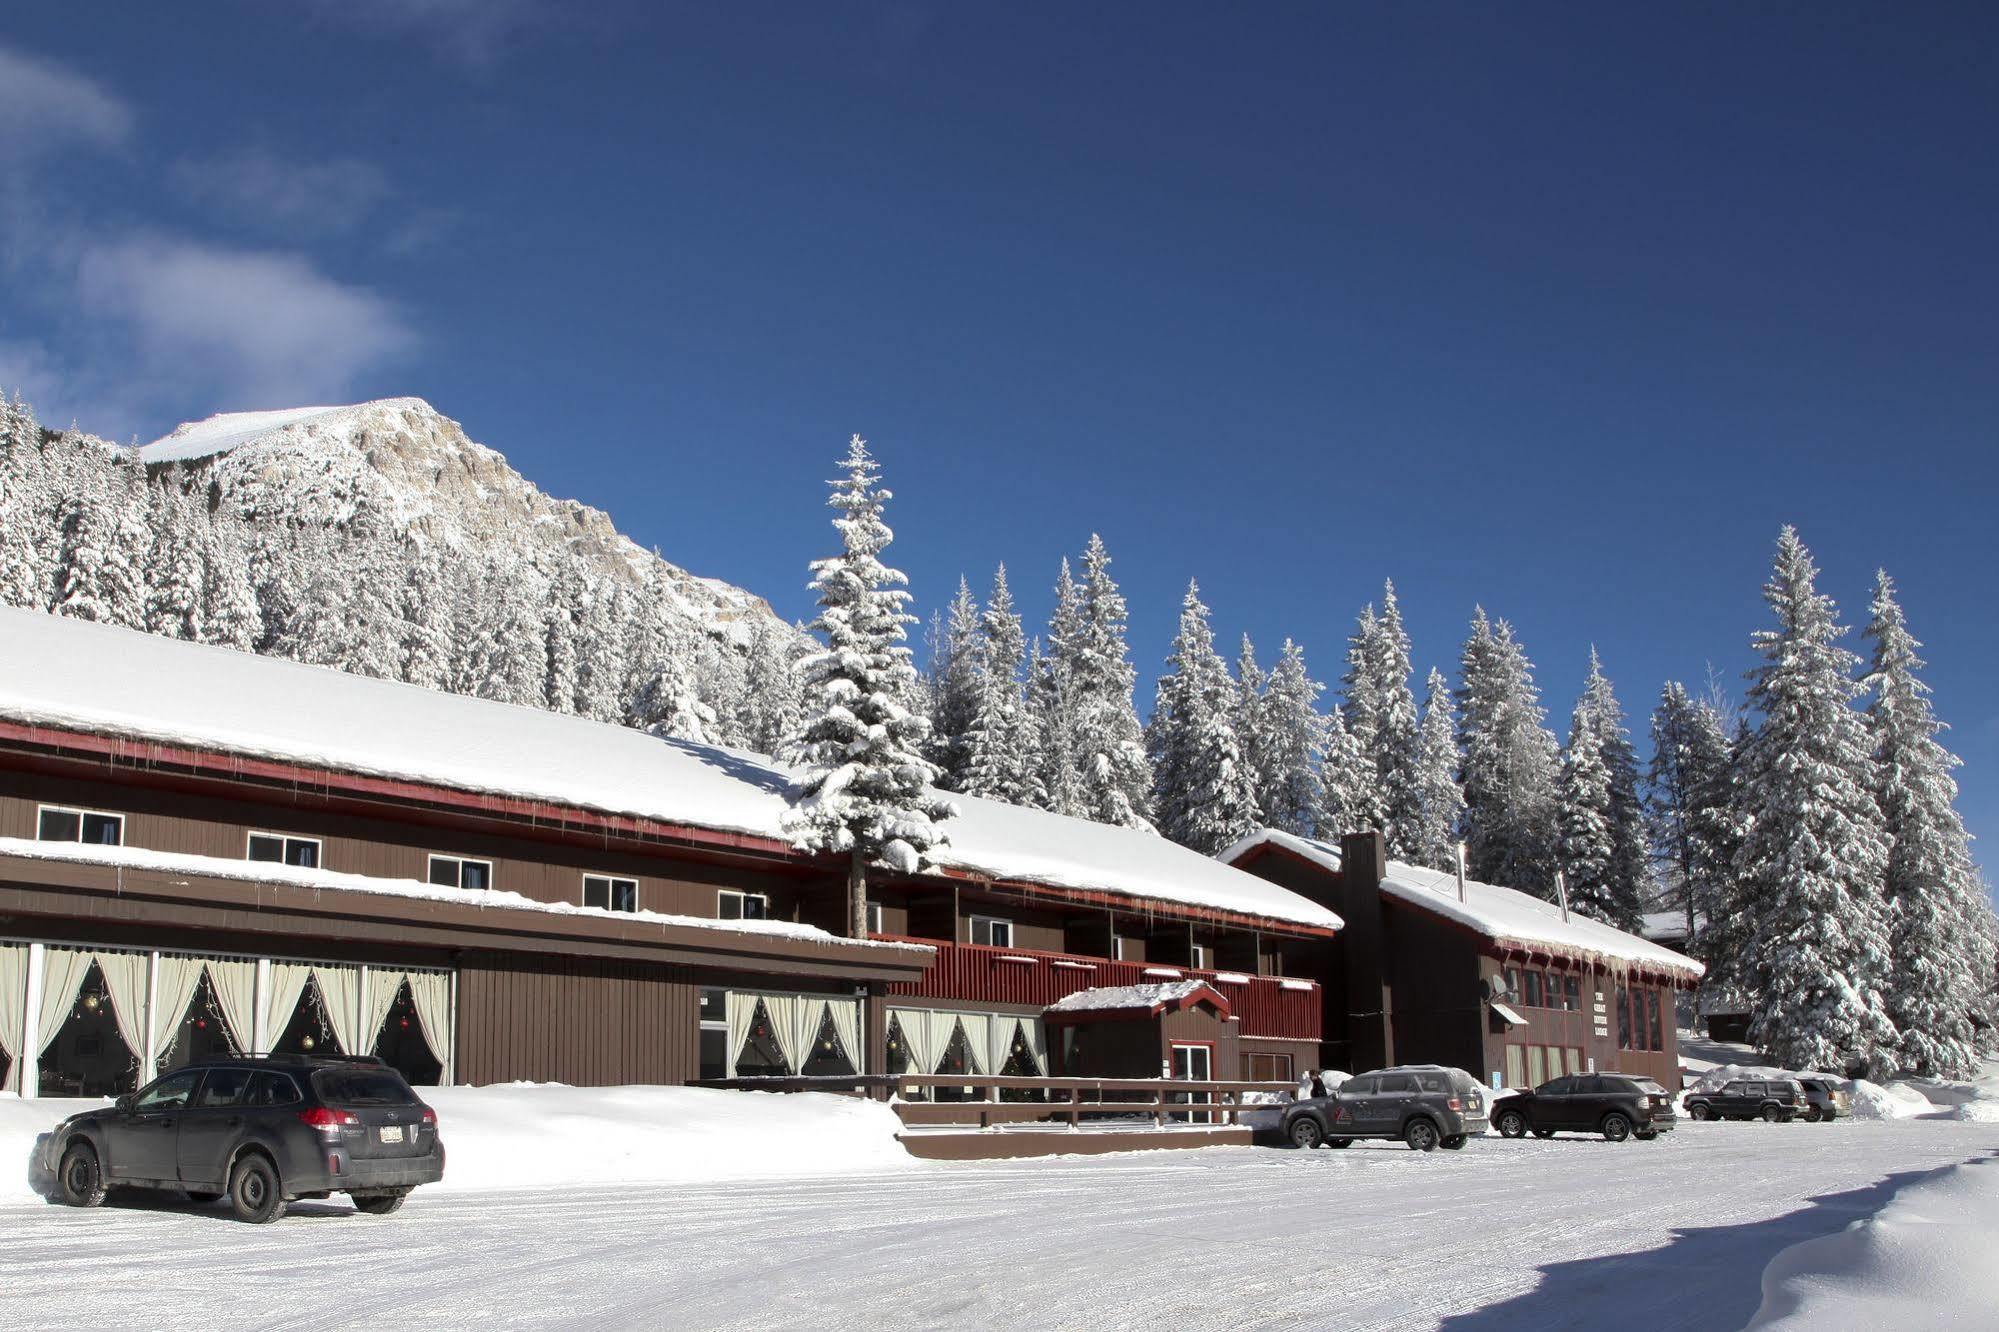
[1052,698]
[1094,671]
[1587,848]
[1291,747]
[229,613]
[1631,857]
[862,789]
[1687,785]
[1440,803]
[1937,901]
[957,678]
[1814,858]
[1246,711]
[27,511]
[1510,763]
[175,570]
[772,690]
[1002,762]
[1204,793]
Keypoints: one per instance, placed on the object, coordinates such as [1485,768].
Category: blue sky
[1563,310]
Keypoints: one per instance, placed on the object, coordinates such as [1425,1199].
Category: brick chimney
[1369,1000]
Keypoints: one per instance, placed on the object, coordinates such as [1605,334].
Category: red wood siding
[973,973]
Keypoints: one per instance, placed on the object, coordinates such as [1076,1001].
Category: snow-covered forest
[1809,838]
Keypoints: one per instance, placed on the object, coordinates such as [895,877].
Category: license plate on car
[392,1133]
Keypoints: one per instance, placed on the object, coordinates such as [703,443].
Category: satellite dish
[1495,989]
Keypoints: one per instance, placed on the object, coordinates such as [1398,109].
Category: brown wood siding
[586,1023]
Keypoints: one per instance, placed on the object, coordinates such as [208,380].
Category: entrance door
[1194,1063]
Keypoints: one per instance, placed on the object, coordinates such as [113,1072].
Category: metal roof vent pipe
[1562,895]
[1461,871]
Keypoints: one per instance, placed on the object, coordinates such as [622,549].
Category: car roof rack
[366,1061]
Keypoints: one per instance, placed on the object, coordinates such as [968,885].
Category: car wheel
[1771,1114]
[1304,1133]
[1699,1112]
[81,1179]
[1421,1135]
[1511,1124]
[254,1194]
[202,1196]
[1453,1143]
[1616,1127]
[381,1204]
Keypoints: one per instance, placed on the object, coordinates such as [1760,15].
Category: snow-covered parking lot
[1566,1233]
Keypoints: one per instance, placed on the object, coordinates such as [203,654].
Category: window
[1537,1065]
[1201,956]
[1556,1087]
[223,1086]
[272,1089]
[1575,1059]
[277,849]
[610,894]
[1516,1065]
[992,931]
[1390,1083]
[875,925]
[1360,1086]
[1269,1067]
[1623,1018]
[1572,994]
[1652,1019]
[1532,998]
[1513,981]
[453,872]
[732,905]
[80,825]
[170,1092]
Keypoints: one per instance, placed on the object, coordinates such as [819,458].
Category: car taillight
[328,1120]
[429,1115]
[1455,1104]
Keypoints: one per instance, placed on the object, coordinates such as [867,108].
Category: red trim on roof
[1205,994]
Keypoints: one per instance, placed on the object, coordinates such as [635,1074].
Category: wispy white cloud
[248,328]
[473,32]
[45,107]
[272,190]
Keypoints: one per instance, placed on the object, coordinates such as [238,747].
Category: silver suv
[1425,1105]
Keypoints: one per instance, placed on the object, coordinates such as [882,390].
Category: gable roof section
[74,676]
[1506,916]
[1136,1000]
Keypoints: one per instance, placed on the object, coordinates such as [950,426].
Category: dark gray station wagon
[261,1131]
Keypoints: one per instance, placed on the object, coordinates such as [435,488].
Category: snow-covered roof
[1124,998]
[1504,915]
[214,867]
[95,678]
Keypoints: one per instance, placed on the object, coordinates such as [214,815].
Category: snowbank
[540,1135]
[1923,1260]
[1897,1100]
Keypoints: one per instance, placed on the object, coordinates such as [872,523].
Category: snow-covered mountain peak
[399,465]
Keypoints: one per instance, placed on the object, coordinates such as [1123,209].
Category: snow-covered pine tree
[1351,796]
[560,630]
[957,679]
[1814,858]
[1002,762]
[229,613]
[27,511]
[862,786]
[423,618]
[1440,803]
[773,698]
[1291,746]
[175,570]
[1586,848]
[1246,714]
[1052,700]
[1631,861]
[721,684]
[1510,763]
[1204,795]
[1095,672]
[668,703]
[103,543]
[1394,749]
[1687,779]
[1936,944]
[1360,701]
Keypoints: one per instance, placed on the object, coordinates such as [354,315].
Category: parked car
[1825,1100]
[1425,1105]
[1775,1100]
[1617,1105]
[261,1131]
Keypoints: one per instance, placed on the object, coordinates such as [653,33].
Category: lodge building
[204,850]
[1497,982]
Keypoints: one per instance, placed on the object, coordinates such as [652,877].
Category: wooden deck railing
[1151,1102]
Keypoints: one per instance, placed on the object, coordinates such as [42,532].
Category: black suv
[1617,1105]
[261,1130]
[1425,1105]
[1775,1101]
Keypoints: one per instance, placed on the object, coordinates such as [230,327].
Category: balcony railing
[975,973]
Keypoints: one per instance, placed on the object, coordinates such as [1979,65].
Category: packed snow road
[1566,1233]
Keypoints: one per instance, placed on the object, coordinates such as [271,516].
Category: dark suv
[1426,1105]
[261,1130]
[1617,1105]
[1775,1101]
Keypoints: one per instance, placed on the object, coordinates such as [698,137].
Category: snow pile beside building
[542,1135]
[1923,1260]
[1897,1100]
